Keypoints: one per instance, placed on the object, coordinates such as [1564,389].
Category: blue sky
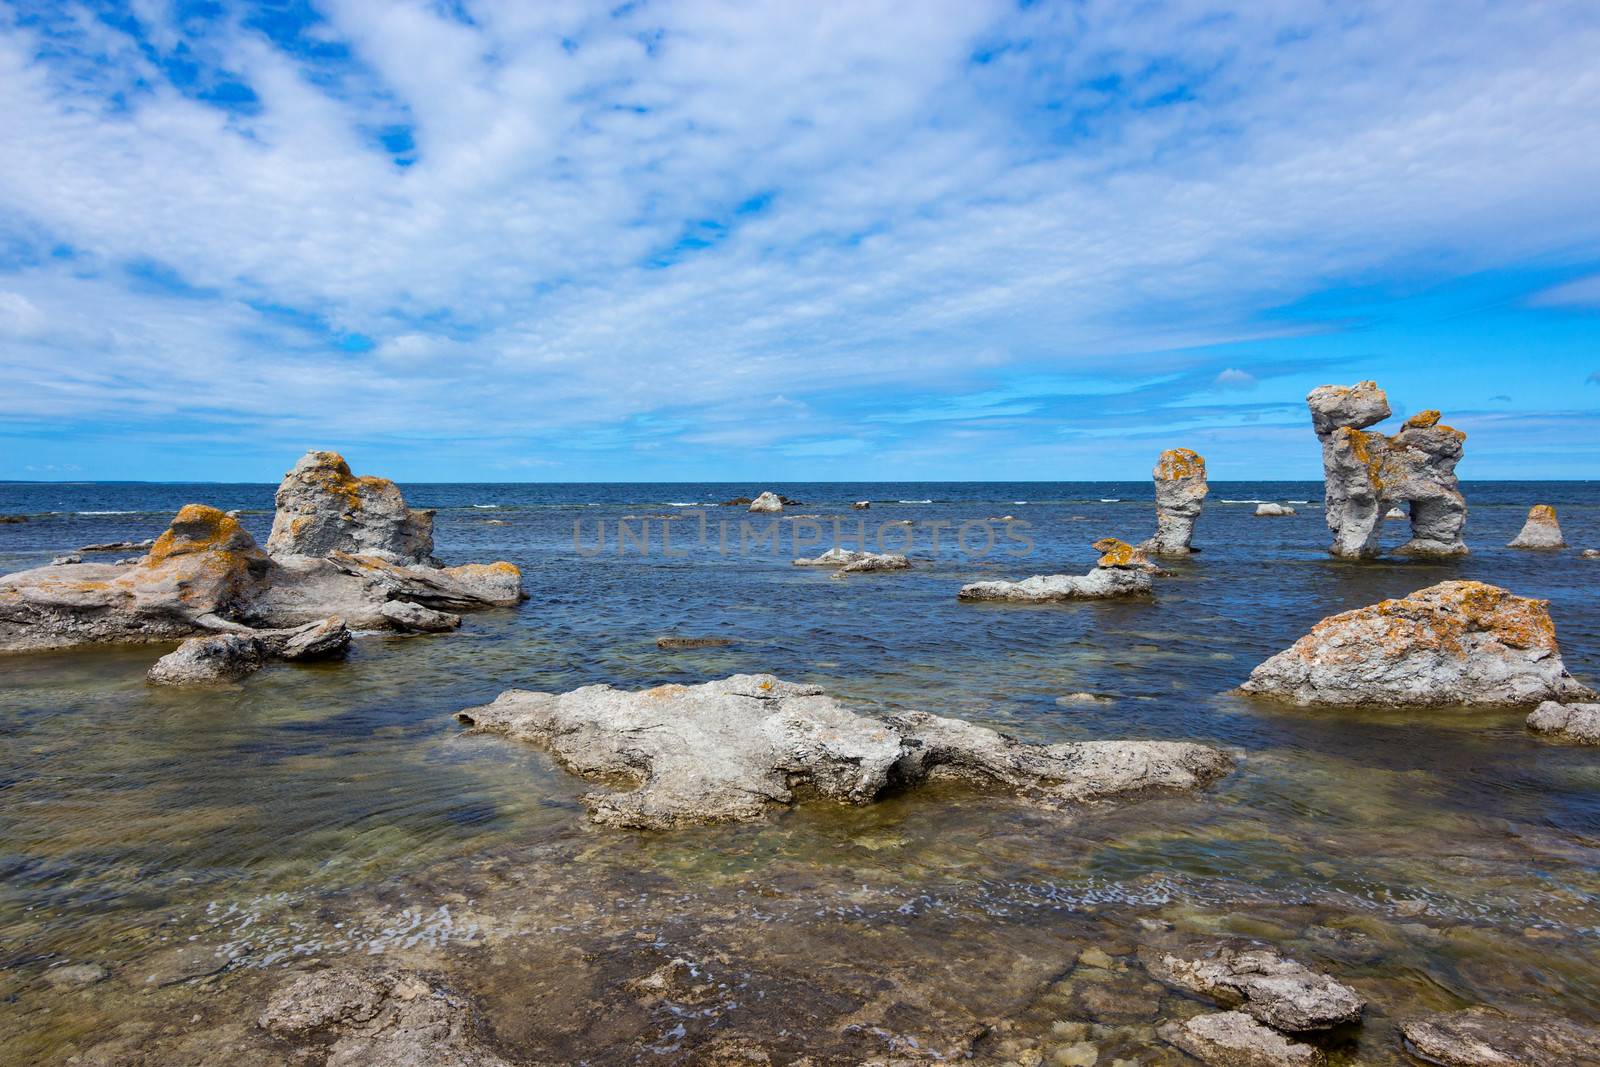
[508,241]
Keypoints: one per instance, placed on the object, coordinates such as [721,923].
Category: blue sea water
[132,811]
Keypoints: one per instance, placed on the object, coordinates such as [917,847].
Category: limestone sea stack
[1452,644]
[1180,477]
[1540,531]
[767,502]
[207,575]
[1367,473]
[1122,570]
[728,750]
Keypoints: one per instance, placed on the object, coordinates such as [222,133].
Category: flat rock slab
[1099,584]
[1234,1039]
[1578,724]
[728,750]
[1480,1037]
[363,1017]
[1282,993]
[1451,644]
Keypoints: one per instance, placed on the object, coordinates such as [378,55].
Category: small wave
[1019,501]
[108,513]
[486,505]
[679,504]
[1299,501]
[1250,501]
[1111,500]
[913,501]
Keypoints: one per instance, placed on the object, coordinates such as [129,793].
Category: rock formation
[728,749]
[1576,723]
[1269,510]
[206,575]
[851,561]
[1234,1039]
[1180,476]
[1455,643]
[1540,531]
[1122,570]
[348,1018]
[768,501]
[1366,473]
[1481,1037]
[1282,993]
[861,505]
[322,508]
[208,660]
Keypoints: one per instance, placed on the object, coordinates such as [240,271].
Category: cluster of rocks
[767,502]
[728,750]
[1541,531]
[1180,477]
[1268,996]
[1122,570]
[345,553]
[1366,473]
[1457,643]
[852,561]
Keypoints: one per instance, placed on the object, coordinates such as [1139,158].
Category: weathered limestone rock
[1180,476]
[1591,553]
[1455,643]
[66,561]
[1269,509]
[1481,1037]
[414,618]
[328,639]
[209,660]
[728,749]
[323,508]
[768,501]
[369,1017]
[852,561]
[1540,531]
[833,557]
[1234,1039]
[1284,994]
[118,546]
[1577,723]
[1121,570]
[1365,473]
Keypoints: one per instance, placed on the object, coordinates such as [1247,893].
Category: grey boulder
[225,657]
[1282,993]
[1481,1037]
[727,750]
[1234,1039]
[1575,723]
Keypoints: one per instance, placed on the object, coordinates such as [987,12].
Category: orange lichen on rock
[1178,463]
[1541,513]
[1422,420]
[199,528]
[1115,553]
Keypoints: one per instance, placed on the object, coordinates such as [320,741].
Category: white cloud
[568,251]
[1234,378]
[1582,293]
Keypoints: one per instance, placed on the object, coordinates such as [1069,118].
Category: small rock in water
[862,505]
[1083,698]
[1577,723]
[327,639]
[209,660]
[1234,1039]
[1481,1037]
[415,618]
[1591,553]
[767,502]
[65,561]
[673,644]
[1280,992]
[1122,570]
[1395,515]
[9,519]
[75,975]
[118,546]
[1274,509]
[1540,531]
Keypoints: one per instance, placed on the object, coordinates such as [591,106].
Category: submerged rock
[209,660]
[1577,723]
[322,508]
[729,749]
[1270,509]
[768,501]
[1234,1039]
[1284,994]
[675,644]
[6,520]
[1540,531]
[1180,477]
[393,1018]
[75,976]
[1481,1037]
[1365,473]
[1455,643]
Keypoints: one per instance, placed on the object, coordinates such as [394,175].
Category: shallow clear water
[1433,859]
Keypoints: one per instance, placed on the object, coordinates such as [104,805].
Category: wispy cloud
[595,229]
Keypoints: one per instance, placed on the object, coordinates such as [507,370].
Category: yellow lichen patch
[1422,420]
[1451,617]
[1541,513]
[1115,553]
[1178,463]
[199,528]
[1368,449]
[470,569]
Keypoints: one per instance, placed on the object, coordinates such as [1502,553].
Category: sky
[494,240]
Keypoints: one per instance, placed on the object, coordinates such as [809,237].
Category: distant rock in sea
[1541,531]
[768,501]
[1270,509]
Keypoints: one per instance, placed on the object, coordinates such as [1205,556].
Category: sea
[202,846]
